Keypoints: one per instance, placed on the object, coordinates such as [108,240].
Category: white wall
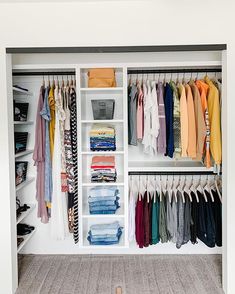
[115,23]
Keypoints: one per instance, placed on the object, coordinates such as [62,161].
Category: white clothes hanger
[180,188]
[208,189]
[200,189]
[217,188]
[187,190]
[193,189]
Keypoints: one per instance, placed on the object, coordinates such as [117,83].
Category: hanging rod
[165,173]
[44,73]
[179,70]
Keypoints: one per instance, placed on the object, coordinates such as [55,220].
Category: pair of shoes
[20,209]
[24,229]
[19,241]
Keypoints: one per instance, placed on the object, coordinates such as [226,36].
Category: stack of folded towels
[105,234]
[103,169]
[102,138]
[103,200]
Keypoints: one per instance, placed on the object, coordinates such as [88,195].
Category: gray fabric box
[103,109]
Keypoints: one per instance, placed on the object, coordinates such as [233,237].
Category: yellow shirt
[183,120]
[213,103]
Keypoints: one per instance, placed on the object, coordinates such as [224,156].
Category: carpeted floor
[142,274]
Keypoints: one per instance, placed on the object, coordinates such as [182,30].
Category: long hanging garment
[73,124]
[69,160]
[39,159]
[59,219]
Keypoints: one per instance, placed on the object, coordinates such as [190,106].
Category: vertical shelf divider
[79,130]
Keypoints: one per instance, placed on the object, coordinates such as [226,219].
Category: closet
[130,161]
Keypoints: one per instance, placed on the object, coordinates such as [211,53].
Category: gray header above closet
[118,49]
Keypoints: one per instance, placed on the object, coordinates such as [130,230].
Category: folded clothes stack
[102,138]
[103,200]
[105,234]
[103,169]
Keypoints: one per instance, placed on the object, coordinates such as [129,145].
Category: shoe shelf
[26,239]
[24,214]
[25,183]
[23,153]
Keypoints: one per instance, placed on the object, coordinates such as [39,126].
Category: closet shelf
[20,91]
[106,121]
[23,122]
[89,152]
[119,213]
[26,213]
[27,182]
[87,182]
[26,239]
[113,89]
[23,153]
[169,166]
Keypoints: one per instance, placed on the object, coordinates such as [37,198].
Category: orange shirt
[191,150]
[200,122]
[203,89]
[183,120]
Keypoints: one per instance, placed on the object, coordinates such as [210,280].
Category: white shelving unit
[119,122]
[25,183]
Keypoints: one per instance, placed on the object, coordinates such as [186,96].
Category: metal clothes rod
[180,70]
[44,73]
[165,173]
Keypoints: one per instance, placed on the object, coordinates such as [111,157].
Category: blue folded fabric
[103,191]
[103,202]
[111,240]
[105,198]
[103,212]
[104,207]
[101,229]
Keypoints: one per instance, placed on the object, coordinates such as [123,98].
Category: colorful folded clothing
[102,138]
[103,169]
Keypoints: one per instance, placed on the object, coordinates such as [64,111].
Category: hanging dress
[139,222]
[59,219]
[155,220]
[69,160]
[131,232]
[39,159]
[73,124]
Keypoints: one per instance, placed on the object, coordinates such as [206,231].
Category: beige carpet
[142,274]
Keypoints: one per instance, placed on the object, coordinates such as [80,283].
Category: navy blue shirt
[169,107]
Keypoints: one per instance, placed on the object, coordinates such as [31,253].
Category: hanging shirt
[151,121]
[200,122]
[161,139]
[187,218]
[183,120]
[139,222]
[214,118]
[51,101]
[39,159]
[155,220]
[132,140]
[169,106]
[191,150]
[176,120]
[194,217]
[146,220]
[131,232]
[45,113]
[180,220]
[150,218]
[140,113]
[203,89]
[162,220]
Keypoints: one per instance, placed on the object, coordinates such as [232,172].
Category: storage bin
[21,171]
[20,111]
[20,141]
[103,109]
